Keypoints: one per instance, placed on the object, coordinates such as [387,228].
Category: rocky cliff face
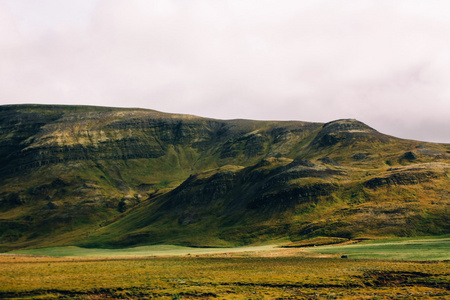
[110,176]
[347,132]
[35,136]
[418,174]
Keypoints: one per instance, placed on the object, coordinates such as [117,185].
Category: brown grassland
[277,274]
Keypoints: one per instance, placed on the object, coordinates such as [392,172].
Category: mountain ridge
[115,177]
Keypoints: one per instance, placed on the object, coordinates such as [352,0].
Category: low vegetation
[318,241]
[262,272]
[243,276]
[433,248]
[155,250]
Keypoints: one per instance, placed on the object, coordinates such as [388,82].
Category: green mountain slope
[113,177]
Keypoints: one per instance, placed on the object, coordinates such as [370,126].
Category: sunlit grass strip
[318,241]
[420,249]
[156,250]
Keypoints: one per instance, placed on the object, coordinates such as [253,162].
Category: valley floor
[260,274]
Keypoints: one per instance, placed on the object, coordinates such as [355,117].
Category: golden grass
[285,274]
[318,241]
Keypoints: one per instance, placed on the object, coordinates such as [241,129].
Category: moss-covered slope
[99,176]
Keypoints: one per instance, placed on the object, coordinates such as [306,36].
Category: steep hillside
[115,177]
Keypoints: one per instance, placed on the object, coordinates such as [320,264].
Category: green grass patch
[437,248]
[154,250]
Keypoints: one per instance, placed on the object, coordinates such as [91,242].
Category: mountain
[116,177]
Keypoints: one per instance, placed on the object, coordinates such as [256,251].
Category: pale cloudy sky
[384,62]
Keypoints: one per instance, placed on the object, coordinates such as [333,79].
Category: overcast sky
[386,63]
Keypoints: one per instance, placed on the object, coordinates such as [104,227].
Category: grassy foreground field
[234,277]
[260,274]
